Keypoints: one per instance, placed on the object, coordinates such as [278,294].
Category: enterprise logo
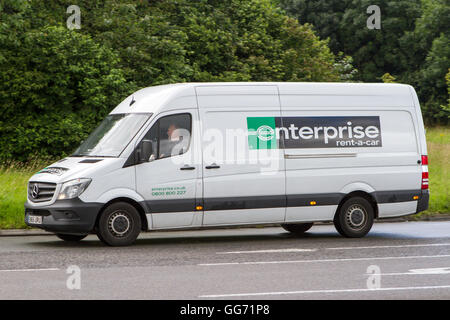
[265,133]
[313,132]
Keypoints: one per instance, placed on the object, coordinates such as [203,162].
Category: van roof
[183,95]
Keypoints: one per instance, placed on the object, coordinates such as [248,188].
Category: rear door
[243,175]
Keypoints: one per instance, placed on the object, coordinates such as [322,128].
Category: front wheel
[355,218]
[71,237]
[119,224]
[298,229]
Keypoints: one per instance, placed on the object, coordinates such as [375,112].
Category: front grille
[41,191]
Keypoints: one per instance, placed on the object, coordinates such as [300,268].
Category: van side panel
[390,168]
[241,185]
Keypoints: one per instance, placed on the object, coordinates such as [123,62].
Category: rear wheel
[119,224]
[298,229]
[71,237]
[355,218]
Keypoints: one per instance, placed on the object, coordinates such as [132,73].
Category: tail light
[424,172]
[424,160]
[424,180]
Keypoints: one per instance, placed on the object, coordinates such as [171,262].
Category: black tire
[71,237]
[298,229]
[354,218]
[119,224]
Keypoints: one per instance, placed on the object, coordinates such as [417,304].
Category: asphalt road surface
[406,260]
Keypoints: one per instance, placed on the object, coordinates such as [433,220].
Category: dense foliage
[56,84]
[413,44]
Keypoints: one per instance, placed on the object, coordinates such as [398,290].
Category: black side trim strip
[172,205]
[256,202]
[396,196]
[277,201]
[321,199]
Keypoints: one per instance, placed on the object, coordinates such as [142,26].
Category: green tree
[374,52]
[325,17]
[433,20]
[206,40]
[433,85]
[413,42]
[55,85]
[429,57]
[447,79]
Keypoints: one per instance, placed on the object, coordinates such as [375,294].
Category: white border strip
[269,251]
[318,261]
[29,270]
[321,291]
[399,246]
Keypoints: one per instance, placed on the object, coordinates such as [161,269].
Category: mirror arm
[138,159]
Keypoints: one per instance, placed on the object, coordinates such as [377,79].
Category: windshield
[112,135]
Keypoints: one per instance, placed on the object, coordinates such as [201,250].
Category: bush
[57,84]
[412,44]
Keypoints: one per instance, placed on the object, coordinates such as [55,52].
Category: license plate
[35,219]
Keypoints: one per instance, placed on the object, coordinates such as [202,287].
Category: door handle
[187,167]
[212,166]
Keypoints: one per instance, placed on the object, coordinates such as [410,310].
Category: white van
[225,154]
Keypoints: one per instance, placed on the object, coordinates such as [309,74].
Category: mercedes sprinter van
[200,155]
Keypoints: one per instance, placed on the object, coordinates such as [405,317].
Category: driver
[173,133]
[173,137]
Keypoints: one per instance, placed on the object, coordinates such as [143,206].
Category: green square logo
[261,133]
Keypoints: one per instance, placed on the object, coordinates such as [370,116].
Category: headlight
[73,188]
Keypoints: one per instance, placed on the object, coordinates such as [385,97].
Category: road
[405,260]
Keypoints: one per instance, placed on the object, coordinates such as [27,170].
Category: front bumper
[65,216]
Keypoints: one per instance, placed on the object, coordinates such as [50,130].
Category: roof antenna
[132,101]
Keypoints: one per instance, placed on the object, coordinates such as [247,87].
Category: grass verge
[438,144]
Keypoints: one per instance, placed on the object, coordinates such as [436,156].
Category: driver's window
[170,136]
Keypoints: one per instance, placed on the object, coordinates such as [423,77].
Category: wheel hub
[119,224]
[356,217]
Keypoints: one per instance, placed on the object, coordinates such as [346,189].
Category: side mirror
[145,150]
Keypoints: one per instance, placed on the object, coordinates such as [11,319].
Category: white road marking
[320,291]
[443,270]
[268,251]
[398,246]
[288,250]
[323,260]
[28,270]
[415,272]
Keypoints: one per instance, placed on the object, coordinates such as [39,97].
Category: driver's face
[170,130]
